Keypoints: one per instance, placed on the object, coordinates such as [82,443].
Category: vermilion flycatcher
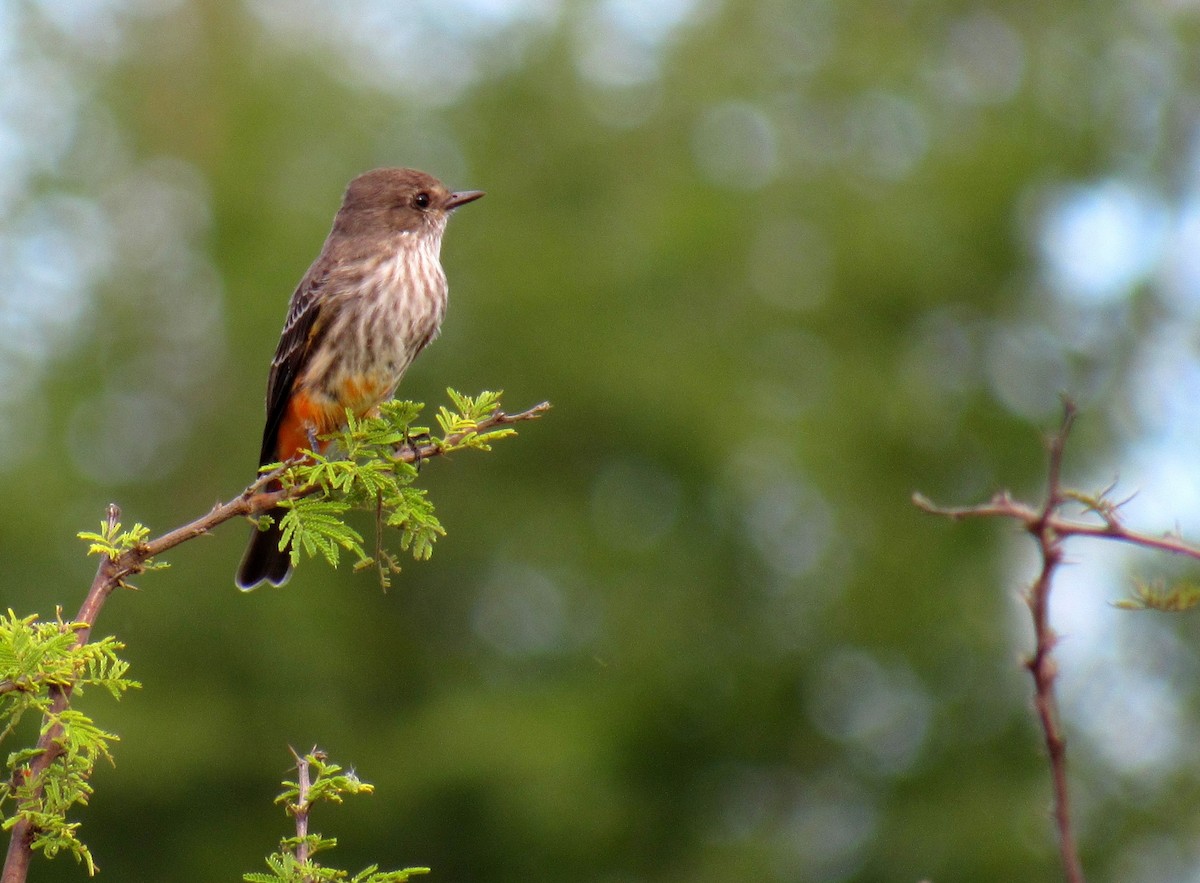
[372,300]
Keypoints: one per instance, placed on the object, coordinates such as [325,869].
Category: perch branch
[113,571]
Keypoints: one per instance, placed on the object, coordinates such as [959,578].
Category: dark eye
[421,200]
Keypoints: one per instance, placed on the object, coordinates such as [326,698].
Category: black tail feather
[264,561]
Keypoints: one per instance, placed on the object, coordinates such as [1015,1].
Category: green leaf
[1159,596]
[366,474]
[112,541]
[328,783]
[40,658]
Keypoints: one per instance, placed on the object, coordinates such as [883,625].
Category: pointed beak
[462,198]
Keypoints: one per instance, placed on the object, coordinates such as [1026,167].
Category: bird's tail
[264,561]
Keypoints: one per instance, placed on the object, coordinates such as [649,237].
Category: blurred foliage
[777,264]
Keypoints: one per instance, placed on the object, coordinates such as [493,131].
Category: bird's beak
[462,198]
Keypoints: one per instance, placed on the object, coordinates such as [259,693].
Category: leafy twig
[125,554]
[318,780]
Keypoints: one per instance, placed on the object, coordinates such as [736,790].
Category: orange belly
[311,415]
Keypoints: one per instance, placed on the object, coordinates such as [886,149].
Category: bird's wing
[301,330]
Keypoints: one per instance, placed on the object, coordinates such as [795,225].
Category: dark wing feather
[300,331]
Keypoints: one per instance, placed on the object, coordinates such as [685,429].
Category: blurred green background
[777,265]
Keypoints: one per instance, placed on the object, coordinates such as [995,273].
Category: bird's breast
[382,321]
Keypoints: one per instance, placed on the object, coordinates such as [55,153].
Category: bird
[372,300]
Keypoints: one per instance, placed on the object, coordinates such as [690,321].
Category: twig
[112,572]
[300,809]
[1041,665]
[1004,506]
[1049,529]
[414,453]
[25,684]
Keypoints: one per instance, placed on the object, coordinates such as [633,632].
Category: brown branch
[255,501]
[1041,665]
[20,685]
[112,572]
[1004,506]
[301,808]
[1049,529]
[20,844]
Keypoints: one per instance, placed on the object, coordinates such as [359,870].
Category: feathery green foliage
[293,863]
[43,664]
[366,471]
[111,542]
[38,660]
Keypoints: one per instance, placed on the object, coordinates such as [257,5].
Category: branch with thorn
[129,554]
[1050,527]
[302,806]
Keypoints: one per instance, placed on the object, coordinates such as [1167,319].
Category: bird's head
[389,201]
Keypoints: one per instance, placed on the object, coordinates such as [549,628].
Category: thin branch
[25,685]
[1041,665]
[1172,543]
[1049,529]
[302,807]
[1000,506]
[20,844]
[255,500]
[1003,506]
[112,572]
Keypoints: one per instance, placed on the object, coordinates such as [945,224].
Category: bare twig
[1049,529]
[1004,506]
[113,572]
[1041,665]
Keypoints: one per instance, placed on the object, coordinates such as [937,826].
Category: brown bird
[371,301]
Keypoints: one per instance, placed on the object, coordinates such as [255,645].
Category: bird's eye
[421,200]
